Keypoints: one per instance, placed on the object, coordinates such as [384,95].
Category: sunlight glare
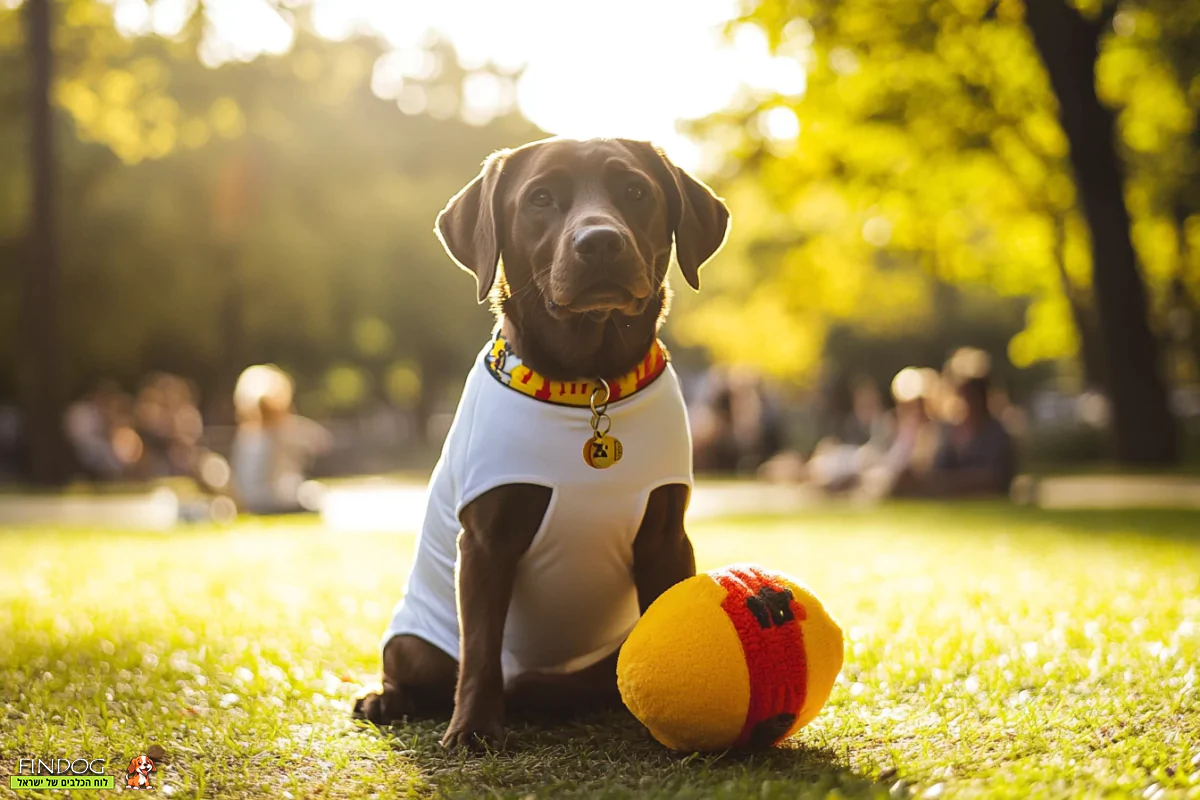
[486,96]
[780,124]
[167,17]
[633,68]
[240,30]
[132,17]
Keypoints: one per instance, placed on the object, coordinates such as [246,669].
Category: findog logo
[42,774]
[138,774]
[61,766]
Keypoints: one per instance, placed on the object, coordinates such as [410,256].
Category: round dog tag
[602,452]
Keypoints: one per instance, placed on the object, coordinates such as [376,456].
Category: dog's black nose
[599,244]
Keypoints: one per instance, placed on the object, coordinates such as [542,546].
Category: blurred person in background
[975,454]
[875,426]
[713,446]
[98,429]
[914,443]
[835,410]
[757,425]
[736,426]
[862,436]
[169,424]
[273,447]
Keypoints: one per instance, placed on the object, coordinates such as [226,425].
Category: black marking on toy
[771,607]
[770,730]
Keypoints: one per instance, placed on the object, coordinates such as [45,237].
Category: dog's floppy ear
[133,765]
[699,219]
[469,225]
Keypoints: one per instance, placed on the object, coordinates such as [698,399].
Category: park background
[201,187]
[190,188]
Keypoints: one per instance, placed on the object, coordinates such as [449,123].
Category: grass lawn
[991,651]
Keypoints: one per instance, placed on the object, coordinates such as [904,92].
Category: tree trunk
[39,350]
[1091,360]
[1068,44]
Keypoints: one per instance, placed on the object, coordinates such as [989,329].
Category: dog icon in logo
[138,774]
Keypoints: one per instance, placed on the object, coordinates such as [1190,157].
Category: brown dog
[137,775]
[584,231]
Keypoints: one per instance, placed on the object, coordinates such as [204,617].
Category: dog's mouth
[601,300]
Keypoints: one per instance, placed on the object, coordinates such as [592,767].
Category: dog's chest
[502,436]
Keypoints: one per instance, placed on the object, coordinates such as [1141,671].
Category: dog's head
[583,229]
[142,765]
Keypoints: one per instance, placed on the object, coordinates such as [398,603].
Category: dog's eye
[635,191]
[541,198]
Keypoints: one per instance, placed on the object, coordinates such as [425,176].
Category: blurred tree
[927,142]
[41,380]
[1068,40]
[254,211]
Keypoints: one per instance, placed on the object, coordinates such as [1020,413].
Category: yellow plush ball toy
[738,657]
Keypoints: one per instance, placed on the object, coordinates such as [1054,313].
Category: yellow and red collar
[506,367]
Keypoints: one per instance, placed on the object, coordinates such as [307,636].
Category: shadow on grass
[610,754]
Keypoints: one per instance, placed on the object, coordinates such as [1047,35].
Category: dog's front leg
[497,529]
[662,552]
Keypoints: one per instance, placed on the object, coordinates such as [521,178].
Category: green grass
[991,651]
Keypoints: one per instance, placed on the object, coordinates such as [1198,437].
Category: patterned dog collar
[506,367]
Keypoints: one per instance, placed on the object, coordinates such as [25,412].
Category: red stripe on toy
[767,619]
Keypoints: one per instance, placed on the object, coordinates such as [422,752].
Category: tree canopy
[292,186]
[926,147]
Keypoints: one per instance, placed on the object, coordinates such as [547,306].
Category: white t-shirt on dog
[574,601]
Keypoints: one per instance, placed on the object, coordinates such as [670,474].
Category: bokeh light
[635,70]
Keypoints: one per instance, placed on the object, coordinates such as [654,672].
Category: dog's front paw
[383,708]
[469,734]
